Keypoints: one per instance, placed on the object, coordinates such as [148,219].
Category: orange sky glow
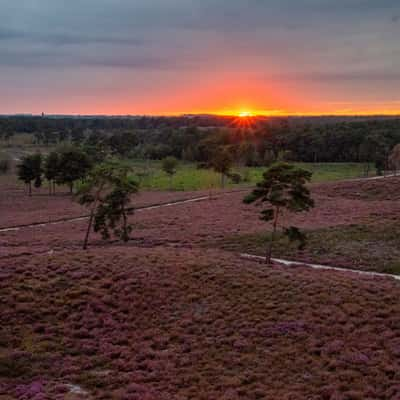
[174,57]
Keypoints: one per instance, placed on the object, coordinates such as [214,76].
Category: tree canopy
[30,169]
[107,192]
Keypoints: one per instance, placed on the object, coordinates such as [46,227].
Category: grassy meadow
[189,177]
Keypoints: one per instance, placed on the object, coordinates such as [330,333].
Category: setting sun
[245,114]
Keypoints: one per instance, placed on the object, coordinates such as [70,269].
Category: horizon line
[211,114]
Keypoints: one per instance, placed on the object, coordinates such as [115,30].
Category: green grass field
[188,177]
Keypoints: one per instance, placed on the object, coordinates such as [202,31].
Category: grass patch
[188,177]
[368,247]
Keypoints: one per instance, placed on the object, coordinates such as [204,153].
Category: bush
[5,165]
[235,178]
[202,165]
[246,176]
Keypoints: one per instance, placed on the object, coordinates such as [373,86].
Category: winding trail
[289,263]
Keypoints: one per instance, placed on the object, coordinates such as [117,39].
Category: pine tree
[284,189]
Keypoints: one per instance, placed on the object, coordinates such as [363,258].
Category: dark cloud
[43,58]
[355,76]
[9,34]
[60,39]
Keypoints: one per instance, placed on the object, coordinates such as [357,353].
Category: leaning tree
[107,192]
[284,189]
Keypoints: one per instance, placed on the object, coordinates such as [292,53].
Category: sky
[160,57]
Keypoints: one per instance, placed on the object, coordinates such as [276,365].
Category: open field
[188,177]
[176,314]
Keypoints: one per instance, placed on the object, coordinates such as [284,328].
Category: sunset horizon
[176,57]
[251,113]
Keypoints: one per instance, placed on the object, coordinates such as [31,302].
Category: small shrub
[13,365]
[5,166]
[202,165]
[235,178]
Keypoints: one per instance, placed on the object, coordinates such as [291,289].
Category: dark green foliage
[112,212]
[295,235]
[121,144]
[195,138]
[235,178]
[73,165]
[284,188]
[374,149]
[107,191]
[169,166]
[77,135]
[52,169]
[394,158]
[51,166]
[5,165]
[30,169]
[222,162]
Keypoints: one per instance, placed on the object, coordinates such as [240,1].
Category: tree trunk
[124,225]
[54,188]
[222,180]
[271,243]
[71,187]
[92,211]
[368,170]
[30,188]
[50,184]
[89,227]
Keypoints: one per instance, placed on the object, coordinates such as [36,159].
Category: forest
[253,141]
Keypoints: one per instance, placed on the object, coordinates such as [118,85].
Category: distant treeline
[253,141]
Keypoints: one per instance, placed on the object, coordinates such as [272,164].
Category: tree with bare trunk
[284,188]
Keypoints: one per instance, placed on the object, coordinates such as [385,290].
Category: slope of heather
[130,323]
[375,189]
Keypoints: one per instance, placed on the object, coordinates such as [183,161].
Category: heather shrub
[235,178]
[13,365]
